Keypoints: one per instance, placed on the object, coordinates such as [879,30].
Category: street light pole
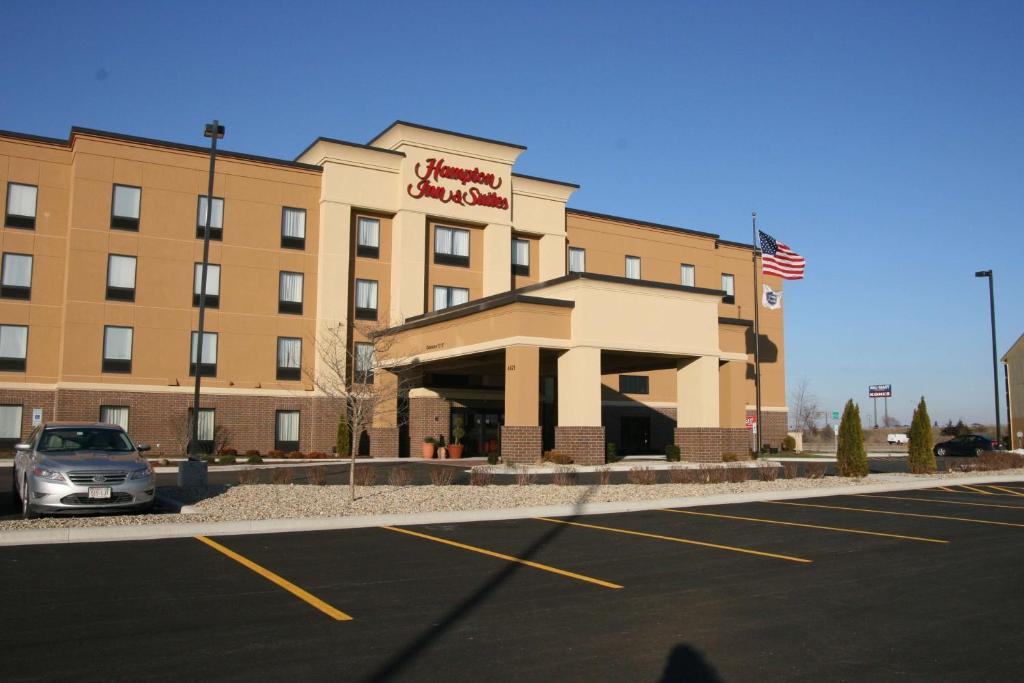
[995,364]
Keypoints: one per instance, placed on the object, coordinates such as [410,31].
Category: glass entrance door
[483,430]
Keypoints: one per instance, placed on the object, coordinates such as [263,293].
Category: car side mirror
[142,447]
[23,447]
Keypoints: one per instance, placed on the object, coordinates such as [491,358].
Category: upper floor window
[121,277]
[451,246]
[577,260]
[520,256]
[216,218]
[368,239]
[293,228]
[687,275]
[117,349]
[633,267]
[21,206]
[10,423]
[363,366]
[13,347]
[115,415]
[16,281]
[208,366]
[634,384]
[124,211]
[366,299]
[445,297]
[289,358]
[729,287]
[212,285]
[290,293]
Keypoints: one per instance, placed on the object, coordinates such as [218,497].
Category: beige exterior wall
[1014,361]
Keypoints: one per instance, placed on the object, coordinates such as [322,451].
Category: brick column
[585,445]
[384,432]
[428,416]
[521,434]
[579,433]
[383,442]
[737,440]
[699,444]
[698,433]
[521,444]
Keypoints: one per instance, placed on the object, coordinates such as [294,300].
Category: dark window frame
[448,296]
[693,271]
[360,376]
[286,446]
[212,300]
[366,313]
[118,365]
[15,220]
[124,222]
[290,307]
[520,268]
[7,442]
[11,363]
[293,242]
[205,445]
[208,369]
[729,298]
[365,250]
[16,291]
[216,234]
[122,293]
[111,405]
[640,267]
[568,259]
[287,373]
[446,259]
[643,382]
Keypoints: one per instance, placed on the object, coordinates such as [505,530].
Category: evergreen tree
[920,458]
[343,441]
[851,458]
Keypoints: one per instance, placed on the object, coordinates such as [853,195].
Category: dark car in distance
[967,444]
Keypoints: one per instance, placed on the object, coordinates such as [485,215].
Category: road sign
[835,414]
[37,417]
[880,391]
[752,422]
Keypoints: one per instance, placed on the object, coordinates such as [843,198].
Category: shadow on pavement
[687,664]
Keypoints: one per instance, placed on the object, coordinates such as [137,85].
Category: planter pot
[455,450]
[428,451]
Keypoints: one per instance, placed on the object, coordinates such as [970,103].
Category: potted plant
[455,449]
[428,447]
[442,452]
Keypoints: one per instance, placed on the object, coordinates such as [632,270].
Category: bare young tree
[180,427]
[803,405]
[359,375]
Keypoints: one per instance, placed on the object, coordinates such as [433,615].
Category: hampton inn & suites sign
[433,171]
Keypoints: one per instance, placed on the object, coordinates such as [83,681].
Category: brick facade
[521,444]
[738,440]
[699,444]
[383,442]
[776,427]
[428,417]
[585,445]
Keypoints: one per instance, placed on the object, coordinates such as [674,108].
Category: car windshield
[71,439]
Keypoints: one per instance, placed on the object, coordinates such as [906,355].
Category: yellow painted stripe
[890,512]
[508,558]
[976,490]
[676,539]
[274,578]
[974,493]
[809,526]
[1005,490]
[947,490]
[942,502]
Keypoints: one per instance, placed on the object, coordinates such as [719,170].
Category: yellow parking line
[676,539]
[976,490]
[1005,490]
[942,502]
[890,512]
[975,493]
[946,489]
[509,558]
[809,526]
[336,614]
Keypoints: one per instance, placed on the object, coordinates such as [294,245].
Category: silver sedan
[81,467]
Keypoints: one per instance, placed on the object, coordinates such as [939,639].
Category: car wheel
[26,508]
[940,451]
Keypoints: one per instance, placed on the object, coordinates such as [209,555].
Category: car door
[22,460]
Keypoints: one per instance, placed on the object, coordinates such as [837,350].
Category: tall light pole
[995,365]
[193,472]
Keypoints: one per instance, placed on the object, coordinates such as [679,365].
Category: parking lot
[921,584]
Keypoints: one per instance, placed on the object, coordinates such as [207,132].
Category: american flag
[778,259]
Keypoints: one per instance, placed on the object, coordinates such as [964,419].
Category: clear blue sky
[882,140]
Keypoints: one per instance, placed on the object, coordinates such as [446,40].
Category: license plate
[99,492]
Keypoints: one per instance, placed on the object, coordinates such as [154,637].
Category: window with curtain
[451,246]
[216,218]
[445,297]
[16,278]
[289,358]
[286,430]
[21,206]
[520,256]
[115,415]
[687,275]
[290,293]
[121,277]
[208,366]
[124,214]
[10,423]
[368,243]
[13,347]
[205,428]
[293,228]
[117,349]
[364,363]
[212,284]
[577,260]
[366,299]
[729,287]
[633,267]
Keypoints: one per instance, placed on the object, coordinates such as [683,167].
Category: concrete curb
[273,526]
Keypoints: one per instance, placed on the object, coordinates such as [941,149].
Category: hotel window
[115,415]
[687,275]
[293,228]
[289,358]
[124,211]
[208,366]
[16,281]
[10,424]
[445,297]
[121,277]
[289,298]
[633,267]
[729,287]
[117,349]
[206,428]
[21,206]
[520,256]
[212,285]
[368,241]
[286,430]
[366,299]
[364,363]
[577,260]
[216,219]
[13,347]
[451,246]
[634,384]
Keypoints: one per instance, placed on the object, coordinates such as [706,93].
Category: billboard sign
[880,391]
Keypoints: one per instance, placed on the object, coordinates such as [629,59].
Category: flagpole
[757,340]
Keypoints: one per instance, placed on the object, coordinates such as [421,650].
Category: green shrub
[227,460]
[557,458]
[789,444]
[920,457]
[672,453]
[611,452]
[493,457]
[343,438]
[254,459]
[851,458]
